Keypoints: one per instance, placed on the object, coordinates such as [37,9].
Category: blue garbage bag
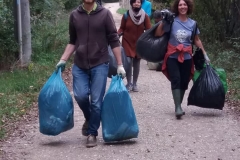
[55,106]
[118,117]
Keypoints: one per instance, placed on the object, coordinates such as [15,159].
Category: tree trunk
[26,33]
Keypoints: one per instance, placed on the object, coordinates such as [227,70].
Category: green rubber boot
[177,101]
[182,96]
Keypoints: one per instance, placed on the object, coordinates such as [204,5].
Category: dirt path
[203,134]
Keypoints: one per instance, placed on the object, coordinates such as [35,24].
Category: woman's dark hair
[133,1]
[175,6]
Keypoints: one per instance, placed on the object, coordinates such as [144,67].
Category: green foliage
[220,23]
[8,45]
[19,88]
[45,16]
[50,25]
[121,11]
[160,4]
[69,4]
[50,35]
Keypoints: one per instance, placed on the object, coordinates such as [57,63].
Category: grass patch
[19,88]
[121,10]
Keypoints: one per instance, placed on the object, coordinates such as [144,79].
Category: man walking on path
[91,29]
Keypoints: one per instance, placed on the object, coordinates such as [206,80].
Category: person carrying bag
[178,65]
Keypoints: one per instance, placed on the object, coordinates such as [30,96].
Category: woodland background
[218,20]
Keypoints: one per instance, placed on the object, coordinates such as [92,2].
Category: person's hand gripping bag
[55,106]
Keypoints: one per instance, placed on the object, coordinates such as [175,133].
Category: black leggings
[135,64]
[179,73]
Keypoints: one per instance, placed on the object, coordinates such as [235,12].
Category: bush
[44,19]
[72,4]
[8,44]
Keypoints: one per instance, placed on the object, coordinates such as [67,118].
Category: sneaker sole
[135,90]
[91,145]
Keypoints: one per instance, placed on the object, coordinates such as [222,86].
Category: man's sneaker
[85,128]
[129,86]
[135,88]
[91,141]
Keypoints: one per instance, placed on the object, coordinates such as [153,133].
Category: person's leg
[97,90]
[81,88]
[129,76]
[174,75]
[136,70]
[185,72]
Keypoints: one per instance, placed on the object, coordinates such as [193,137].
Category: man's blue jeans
[89,88]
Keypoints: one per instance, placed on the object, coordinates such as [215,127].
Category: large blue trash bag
[118,117]
[55,106]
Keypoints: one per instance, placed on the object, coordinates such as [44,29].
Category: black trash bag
[150,47]
[198,59]
[113,62]
[207,91]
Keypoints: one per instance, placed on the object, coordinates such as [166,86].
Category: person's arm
[113,41]
[70,48]
[117,54]
[159,31]
[120,70]
[122,25]
[111,31]
[199,44]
